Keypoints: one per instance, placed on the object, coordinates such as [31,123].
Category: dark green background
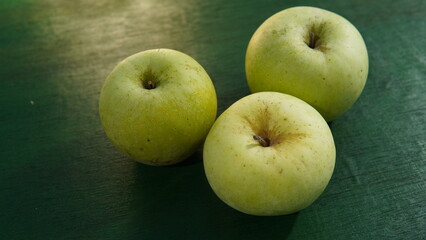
[60,178]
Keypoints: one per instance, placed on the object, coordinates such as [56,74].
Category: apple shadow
[178,203]
[244,226]
[194,158]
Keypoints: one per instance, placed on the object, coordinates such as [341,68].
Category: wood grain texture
[60,178]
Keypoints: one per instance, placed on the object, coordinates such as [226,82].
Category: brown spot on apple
[303,162]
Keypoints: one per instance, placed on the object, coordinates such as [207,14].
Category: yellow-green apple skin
[157,106]
[282,178]
[313,54]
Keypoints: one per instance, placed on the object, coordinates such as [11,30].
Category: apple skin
[330,76]
[280,179]
[159,126]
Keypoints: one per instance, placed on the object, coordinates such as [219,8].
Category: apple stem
[262,141]
[148,80]
[312,40]
[150,84]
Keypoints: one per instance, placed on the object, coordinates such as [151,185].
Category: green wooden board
[60,177]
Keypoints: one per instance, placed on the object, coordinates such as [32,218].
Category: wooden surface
[60,178]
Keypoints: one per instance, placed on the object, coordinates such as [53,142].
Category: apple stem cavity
[263,141]
[149,81]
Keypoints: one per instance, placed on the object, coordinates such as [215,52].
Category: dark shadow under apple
[194,158]
[177,202]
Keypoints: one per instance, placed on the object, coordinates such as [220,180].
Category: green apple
[269,154]
[313,54]
[157,106]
